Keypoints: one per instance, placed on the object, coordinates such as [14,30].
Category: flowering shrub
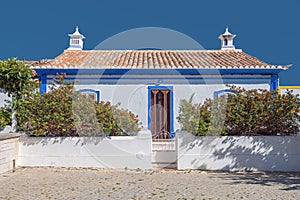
[49,114]
[116,121]
[64,112]
[243,112]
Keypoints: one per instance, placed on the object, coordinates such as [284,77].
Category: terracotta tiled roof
[157,59]
[36,62]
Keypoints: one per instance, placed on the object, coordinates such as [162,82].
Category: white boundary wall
[8,151]
[115,152]
[235,153]
[295,90]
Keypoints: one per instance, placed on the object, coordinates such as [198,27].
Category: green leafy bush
[64,112]
[5,116]
[102,117]
[116,121]
[244,112]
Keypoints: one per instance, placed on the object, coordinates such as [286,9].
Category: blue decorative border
[97,92]
[158,71]
[168,80]
[274,82]
[171,107]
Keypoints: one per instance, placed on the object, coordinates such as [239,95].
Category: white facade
[135,98]
[295,89]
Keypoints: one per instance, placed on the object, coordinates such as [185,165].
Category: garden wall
[235,153]
[102,152]
[8,151]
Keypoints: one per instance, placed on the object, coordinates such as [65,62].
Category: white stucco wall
[295,90]
[3,97]
[235,153]
[9,144]
[116,152]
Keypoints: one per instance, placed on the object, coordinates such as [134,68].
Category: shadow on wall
[236,153]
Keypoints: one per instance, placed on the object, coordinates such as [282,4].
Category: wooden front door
[160,113]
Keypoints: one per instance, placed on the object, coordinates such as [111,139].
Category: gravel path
[61,183]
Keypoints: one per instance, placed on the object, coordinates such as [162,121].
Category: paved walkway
[60,183]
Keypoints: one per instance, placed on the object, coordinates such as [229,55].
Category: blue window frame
[94,92]
[220,92]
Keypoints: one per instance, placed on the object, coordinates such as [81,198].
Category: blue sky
[269,30]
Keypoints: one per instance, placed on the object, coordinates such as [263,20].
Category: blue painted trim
[274,82]
[167,80]
[168,77]
[149,109]
[217,93]
[158,71]
[171,107]
[97,92]
[43,81]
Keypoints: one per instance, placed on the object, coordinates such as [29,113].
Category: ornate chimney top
[227,40]
[76,40]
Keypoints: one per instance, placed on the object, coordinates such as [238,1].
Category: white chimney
[76,40]
[227,40]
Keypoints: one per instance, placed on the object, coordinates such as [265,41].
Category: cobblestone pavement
[62,183]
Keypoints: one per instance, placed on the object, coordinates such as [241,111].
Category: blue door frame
[171,107]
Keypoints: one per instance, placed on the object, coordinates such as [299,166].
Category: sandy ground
[62,183]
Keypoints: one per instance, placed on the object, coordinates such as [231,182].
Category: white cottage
[151,83]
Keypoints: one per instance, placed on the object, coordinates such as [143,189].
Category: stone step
[162,165]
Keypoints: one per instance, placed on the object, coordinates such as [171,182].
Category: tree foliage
[243,112]
[15,77]
[5,116]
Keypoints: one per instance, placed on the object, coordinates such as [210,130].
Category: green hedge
[243,112]
[64,112]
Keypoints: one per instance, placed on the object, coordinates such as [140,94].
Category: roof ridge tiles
[158,50]
[156,59]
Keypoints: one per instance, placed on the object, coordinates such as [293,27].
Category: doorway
[160,112]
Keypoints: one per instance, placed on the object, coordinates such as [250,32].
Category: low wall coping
[7,136]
